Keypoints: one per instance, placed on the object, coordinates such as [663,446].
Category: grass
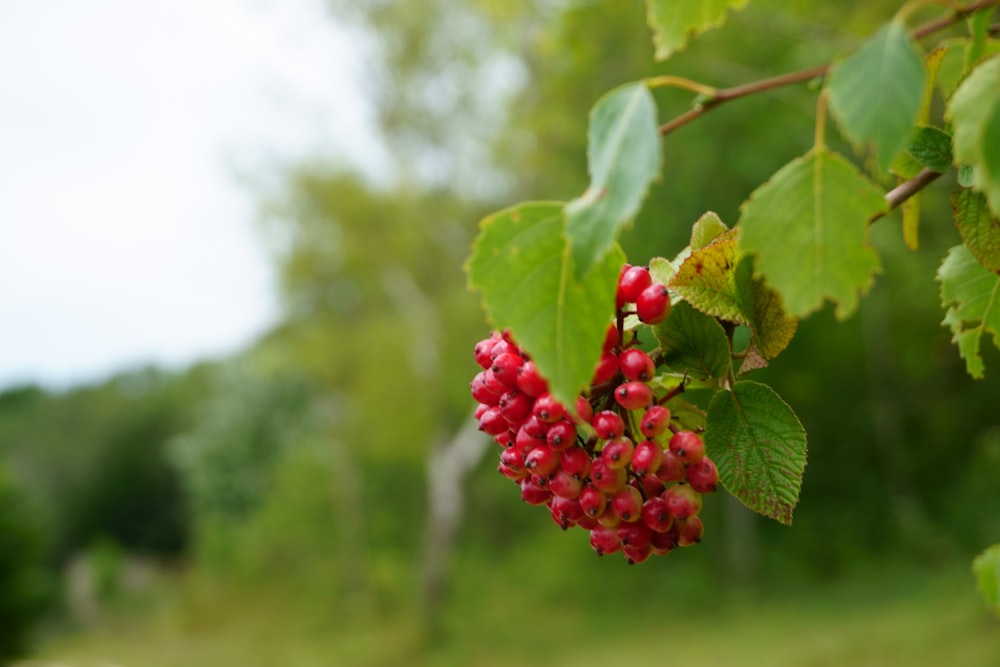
[900,618]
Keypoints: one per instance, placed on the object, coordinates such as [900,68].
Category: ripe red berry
[605,540]
[656,514]
[671,468]
[482,391]
[635,534]
[627,504]
[606,370]
[608,425]
[565,511]
[542,460]
[484,348]
[561,435]
[635,555]
[687,446]
[632,281]
[548,409]
[505,369]
[529,381]
[513,459]
[636,365]
[533,494]
[634,395]
[611,338]
[655,421]
[504,346]
[607,479]
[702,475]
[575,461]
[653,304]
[515,407]
[617,453]
[646,458]
[565,485]
[584,411]
[592,501]
[664,543]
[492,421]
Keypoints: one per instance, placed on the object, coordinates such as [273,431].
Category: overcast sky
[125,235]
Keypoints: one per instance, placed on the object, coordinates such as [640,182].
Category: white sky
[125,236]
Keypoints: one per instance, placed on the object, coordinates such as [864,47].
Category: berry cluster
[614,463]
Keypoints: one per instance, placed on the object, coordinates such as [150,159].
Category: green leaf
[704,231]
[808,227]
[706,279]
[772,327]
[661,270]
[931,147]
[675,21]
[875,93]
[623,158]
[523,267]
[986,568]
[974,111]
[693,342]
[979,230]
[759,446]
[971,295]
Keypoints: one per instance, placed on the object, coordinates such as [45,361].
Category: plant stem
[735,92]
[905,190]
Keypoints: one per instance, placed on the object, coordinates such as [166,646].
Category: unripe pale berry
[682,500]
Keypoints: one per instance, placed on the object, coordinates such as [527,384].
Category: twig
[905,190]
[727,94]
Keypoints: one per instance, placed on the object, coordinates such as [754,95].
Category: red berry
[656,514]
[655,421]
[607,369]
[651,486]
[635,534]
[689,531]
[702,475]
[533,494]
[492,421]
[575,461]
[504,346]
[687,446]
[513,459]
[653,304]
[646,458]
[611,339]
[565,512]
[515,407]
[605,540]
[633,280]
[664,543]
[565,485]
[541,460]
[505,369]
[592,501]
[682,500]
[511,473]
[636,365]
[627,504]
[484,348]
[584,411]
[529,381]
[608,425]
[561,435]
[607,479]
[634,395]
[482,391]
[636,555]
[617,453]
[548,409]
[671,468]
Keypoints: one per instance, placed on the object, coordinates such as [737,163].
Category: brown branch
[905,190]
[727,94]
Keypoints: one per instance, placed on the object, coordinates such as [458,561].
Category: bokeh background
[297,482]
